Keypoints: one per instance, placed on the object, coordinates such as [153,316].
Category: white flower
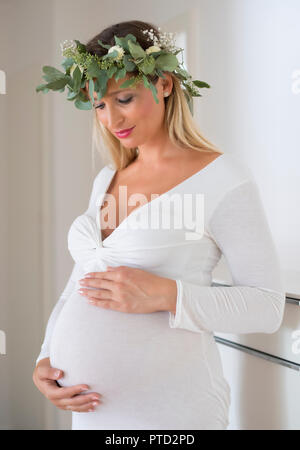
[152,49]
[120,51]
[74,67]
[67,44]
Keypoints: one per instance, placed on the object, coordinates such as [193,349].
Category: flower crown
[124,57]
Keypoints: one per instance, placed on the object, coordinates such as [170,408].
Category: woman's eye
[128,100]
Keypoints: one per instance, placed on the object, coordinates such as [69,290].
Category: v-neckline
[110,180]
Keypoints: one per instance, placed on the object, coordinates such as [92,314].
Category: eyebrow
[114,93]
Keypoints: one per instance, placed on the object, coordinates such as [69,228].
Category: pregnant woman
[134,325]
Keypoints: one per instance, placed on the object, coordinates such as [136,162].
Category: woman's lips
[125,133]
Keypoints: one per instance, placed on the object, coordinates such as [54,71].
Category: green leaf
[104,45]
[183,73]
[166,62]
[128,83]
[123,41]
[93,69]
[129,65]
[102,82]
[83,105]
[146,82]
[81,47]
[154,92]
[111,55]
[111,71]
[72,95]
[67,63]
[76,79]
[58,84]
[201,84]
[148,65]
[120,74]
[91,91]
[42,87]
[52,74]
[136,50]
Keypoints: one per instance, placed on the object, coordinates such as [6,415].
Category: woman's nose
[114,119]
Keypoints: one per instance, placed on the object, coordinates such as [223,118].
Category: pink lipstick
[124,133]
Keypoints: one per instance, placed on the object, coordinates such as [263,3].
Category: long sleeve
[255,303]
[76,273]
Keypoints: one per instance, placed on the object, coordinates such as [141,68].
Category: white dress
[160,370]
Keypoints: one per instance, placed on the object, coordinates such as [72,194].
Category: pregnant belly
[114,352]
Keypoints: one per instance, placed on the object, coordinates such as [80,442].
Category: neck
[157,150]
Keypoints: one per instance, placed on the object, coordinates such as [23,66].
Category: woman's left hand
[129,290]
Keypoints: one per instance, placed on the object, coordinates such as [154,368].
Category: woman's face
[133,107]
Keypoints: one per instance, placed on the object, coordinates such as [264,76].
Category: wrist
[169,295]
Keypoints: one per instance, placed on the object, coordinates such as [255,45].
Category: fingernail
[84,389]
[57,373]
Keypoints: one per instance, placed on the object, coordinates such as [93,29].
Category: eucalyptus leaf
[52,74]
[91,91]
[83,105]
[123,41]
[72,95]
[120,74]
[58,84]
[76,79]
[185,75]
[42,87]
[112,55]
[93,69]
[102,82]
[154,91]
[136,50]
[147,66]
[67,63]
[104,45]
[201,84]
[166,62]
[128,83]
[146,82]
[111,71]
[129,65]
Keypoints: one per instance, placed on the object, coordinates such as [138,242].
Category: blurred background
[249,52]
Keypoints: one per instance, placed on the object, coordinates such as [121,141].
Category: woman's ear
[167,82]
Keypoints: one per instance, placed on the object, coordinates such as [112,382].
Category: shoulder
[229,171]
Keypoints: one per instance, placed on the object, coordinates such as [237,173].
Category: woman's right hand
[67,398]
